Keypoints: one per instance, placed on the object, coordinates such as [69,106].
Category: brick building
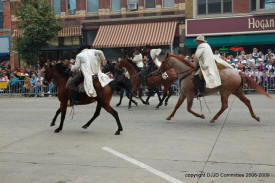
[231,23]
[106,24]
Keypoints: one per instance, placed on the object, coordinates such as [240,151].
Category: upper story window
[115,5]
[1,16]
[56,5]
[262,4]
[205,7]
[150,3]
[71,6]
[168,3]
[132,5]
[92,5]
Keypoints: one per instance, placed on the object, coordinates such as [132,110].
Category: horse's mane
[182,59]
[61,69]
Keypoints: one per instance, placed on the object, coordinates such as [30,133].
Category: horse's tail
[248,80]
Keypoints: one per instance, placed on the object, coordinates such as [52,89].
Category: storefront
[117,38]
[244,31]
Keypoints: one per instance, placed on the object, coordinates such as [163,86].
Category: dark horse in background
[153,81]
[59,74]
[121,84]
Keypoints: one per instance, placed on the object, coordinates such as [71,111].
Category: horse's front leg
[180,101]
[189,107]
[63,109]
[96,114]
[171,92]
[55,116]
[149,96]
[140,97]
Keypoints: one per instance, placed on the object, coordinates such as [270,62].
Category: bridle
[186,72]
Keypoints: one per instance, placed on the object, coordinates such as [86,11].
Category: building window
[71,6]
[132,5]
[115,5]
[56,5]
[92,5]
[150,3]
[206,7]
[168,3]
[261,5]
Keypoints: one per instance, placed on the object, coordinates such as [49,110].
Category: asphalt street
[149,150]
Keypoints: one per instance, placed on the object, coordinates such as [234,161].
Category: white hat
[236,60]
[260,60]
[200,38]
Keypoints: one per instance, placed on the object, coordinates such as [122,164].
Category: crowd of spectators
[256,64]
[28,82]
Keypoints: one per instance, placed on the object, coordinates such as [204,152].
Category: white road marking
[142,165]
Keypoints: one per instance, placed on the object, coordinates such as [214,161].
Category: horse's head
[121,63]
[165,63]
[47,72]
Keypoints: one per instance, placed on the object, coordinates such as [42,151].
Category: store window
[1,16]
[92,5]
[56,5]
[115,5]
[205,7]
[71,6]
[168,3]
[150,3]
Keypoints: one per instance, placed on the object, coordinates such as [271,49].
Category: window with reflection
[205,7]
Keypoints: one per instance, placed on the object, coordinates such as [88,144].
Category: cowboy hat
[200,38]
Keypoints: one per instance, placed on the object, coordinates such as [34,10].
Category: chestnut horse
[58,73]
[232,83]
[153,81]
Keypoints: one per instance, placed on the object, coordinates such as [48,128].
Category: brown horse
[58,73]
[232,83]
[153,81]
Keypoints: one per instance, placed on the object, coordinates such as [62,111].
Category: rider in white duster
[89,61]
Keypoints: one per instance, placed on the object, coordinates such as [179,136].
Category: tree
[37,19]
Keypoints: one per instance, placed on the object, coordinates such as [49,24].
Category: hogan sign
[232,25]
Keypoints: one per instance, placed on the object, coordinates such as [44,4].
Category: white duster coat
[89,62]
[154,55]
[208,66]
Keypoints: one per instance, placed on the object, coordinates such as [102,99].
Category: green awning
[234,40]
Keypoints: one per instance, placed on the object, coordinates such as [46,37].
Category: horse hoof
[168,118]
[85,126]
[118,105]
[52,124]
[258,119]
[136,104]
[157,108]
[212,121]
[57,130]
[166,104]
[202,116]
[118,132]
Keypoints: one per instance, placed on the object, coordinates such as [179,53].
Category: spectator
[51,88]
[255,53]
[26,86]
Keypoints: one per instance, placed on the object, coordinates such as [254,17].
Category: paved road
[183,147]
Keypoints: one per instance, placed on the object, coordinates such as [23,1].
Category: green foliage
[37,19]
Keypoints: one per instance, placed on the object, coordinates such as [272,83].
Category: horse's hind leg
[55,116]
[246,101]
[130,95]
[189,107]
[180,100]
[121,96]
[63,109]
[96,114]
[224,100]
[114,113]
